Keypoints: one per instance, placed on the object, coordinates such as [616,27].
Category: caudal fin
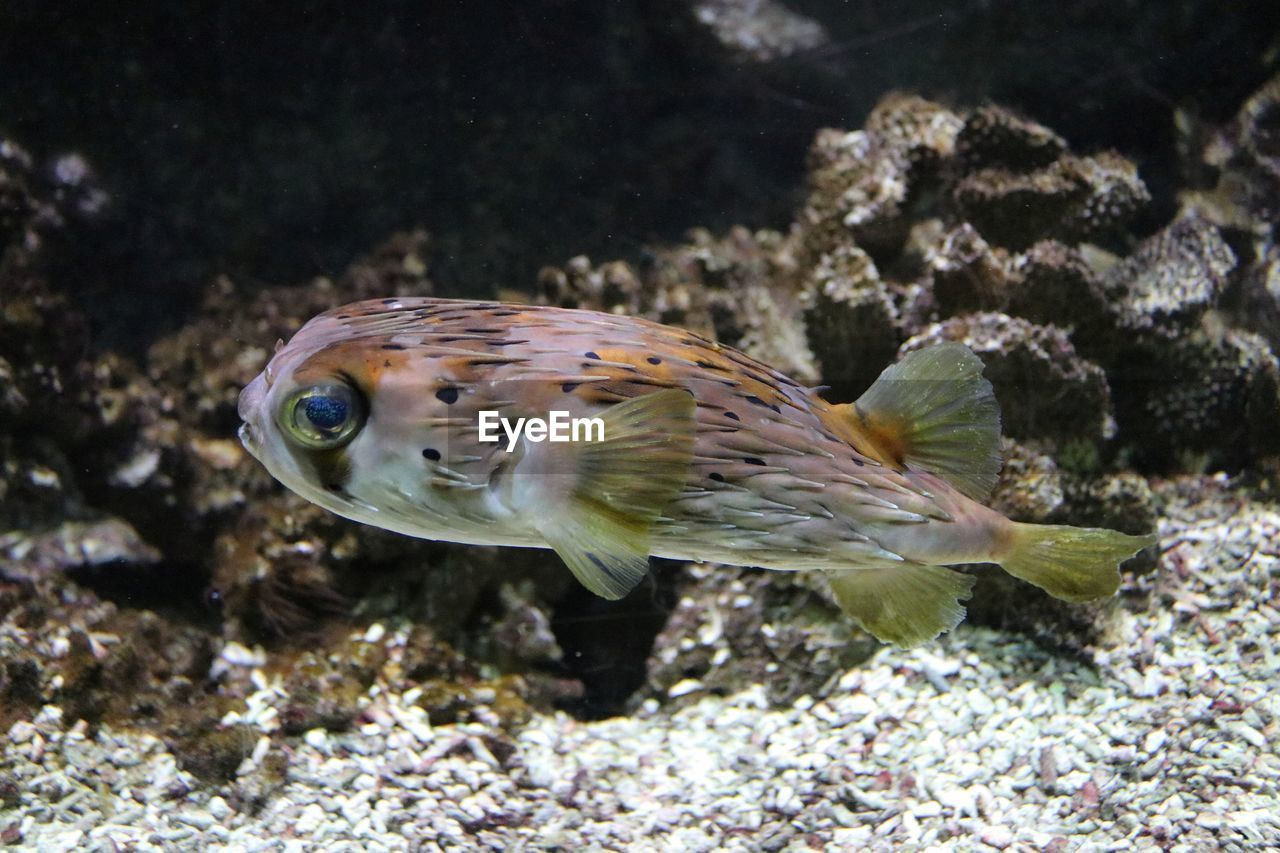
[1071,563]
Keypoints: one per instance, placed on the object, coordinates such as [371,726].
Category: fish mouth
[248,440]
[247,407]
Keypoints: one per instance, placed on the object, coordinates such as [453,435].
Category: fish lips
[249,406]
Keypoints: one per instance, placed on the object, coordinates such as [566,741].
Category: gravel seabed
[980,740]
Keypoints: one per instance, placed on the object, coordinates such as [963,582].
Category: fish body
[378,411]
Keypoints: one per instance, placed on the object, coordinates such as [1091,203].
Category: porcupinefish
[386,412]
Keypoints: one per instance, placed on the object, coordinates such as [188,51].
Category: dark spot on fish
[448,396]
[344,316]
[336,488]
[732,416]
[503,312]
[568,387]
[598,562]
[708,365]
[479,331]
[430,453]
[386,362]
[857,461]
[393,346]
[593,356]
[653,359]
[753,460]
[390,301]
[504,343]
[717,476]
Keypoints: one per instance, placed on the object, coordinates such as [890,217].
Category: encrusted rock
[1015,181]
[1167,285]
[1071,199]
[1252,301]
[1046,390]
[863,180]
[1120,501]
[967,274]
[74,544]
[612,287]
[1216,391]
[1030,486]
[739,289]
[1054,283]
[995,136]
[854,319]
[1248,156]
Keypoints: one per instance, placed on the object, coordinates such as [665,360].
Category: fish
[386,412]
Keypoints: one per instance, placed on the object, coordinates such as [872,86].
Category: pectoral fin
[906,603]
[622,485]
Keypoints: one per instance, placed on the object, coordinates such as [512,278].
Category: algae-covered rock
[1214,393]
[1030,486]
[739,289]
[863,181]
[1247,160]
[993,136]
[855,319]
[1045,388]
[1167,285]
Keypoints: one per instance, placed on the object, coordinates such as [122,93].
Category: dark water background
[275,146]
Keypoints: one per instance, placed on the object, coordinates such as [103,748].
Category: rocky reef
[153,576]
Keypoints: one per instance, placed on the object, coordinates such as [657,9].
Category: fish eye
[323,417]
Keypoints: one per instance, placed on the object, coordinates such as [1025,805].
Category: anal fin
[621,486]
[905,603]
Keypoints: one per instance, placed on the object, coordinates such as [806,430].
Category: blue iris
[326,413]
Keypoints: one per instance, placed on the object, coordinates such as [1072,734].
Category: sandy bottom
[981,740]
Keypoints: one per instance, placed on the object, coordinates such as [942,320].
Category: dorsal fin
[933,411]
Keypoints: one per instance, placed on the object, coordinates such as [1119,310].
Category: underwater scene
[659,425]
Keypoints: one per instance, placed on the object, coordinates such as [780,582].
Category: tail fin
[1071,563]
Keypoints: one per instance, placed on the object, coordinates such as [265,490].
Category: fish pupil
[326,413]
